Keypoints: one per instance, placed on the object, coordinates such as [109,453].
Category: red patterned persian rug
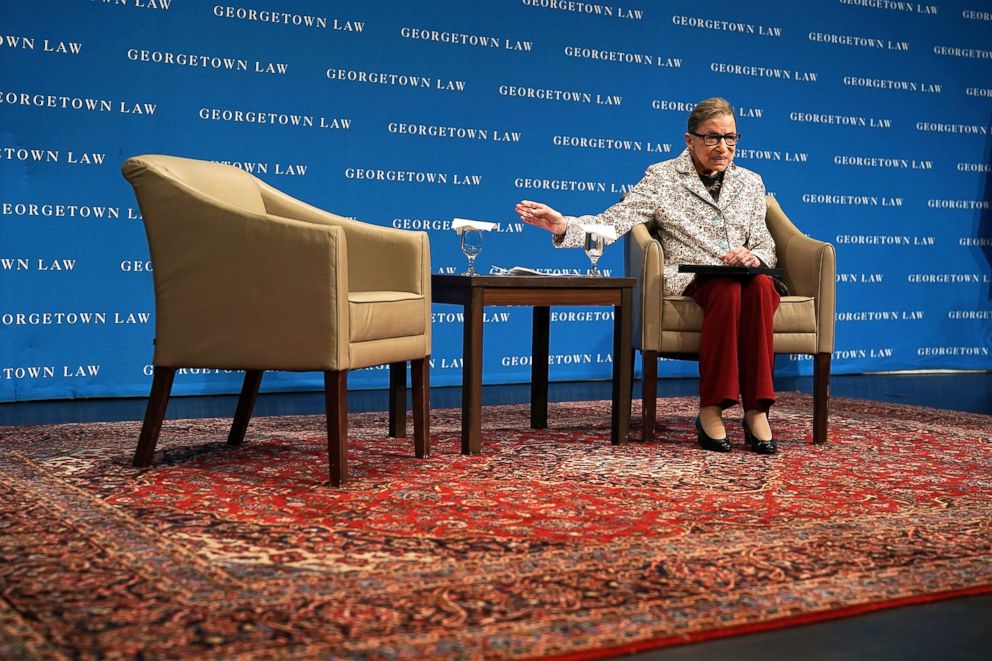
[552,543]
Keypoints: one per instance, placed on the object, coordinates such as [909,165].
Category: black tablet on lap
[729,271]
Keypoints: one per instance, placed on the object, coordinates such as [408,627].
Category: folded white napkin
[605,231]
[458,224]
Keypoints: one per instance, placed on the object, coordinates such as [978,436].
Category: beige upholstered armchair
[247,277]
[804,322]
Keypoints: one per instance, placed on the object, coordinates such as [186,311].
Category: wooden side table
[540,293]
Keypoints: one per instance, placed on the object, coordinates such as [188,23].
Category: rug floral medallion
[552,542]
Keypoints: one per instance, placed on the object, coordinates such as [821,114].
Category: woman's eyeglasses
[713,139]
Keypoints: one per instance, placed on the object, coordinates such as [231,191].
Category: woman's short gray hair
[708,109]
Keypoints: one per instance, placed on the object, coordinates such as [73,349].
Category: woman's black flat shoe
[759,446]
[714,444]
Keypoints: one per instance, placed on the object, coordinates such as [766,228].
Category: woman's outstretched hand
[541,215]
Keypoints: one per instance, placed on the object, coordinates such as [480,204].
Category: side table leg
[622,367]
[472,374]
[539,367]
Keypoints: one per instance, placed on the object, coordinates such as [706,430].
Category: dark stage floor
[958,629]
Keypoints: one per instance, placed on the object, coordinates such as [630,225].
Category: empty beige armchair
[249,278]
[670,326]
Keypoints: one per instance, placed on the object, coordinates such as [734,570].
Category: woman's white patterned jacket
[694,228]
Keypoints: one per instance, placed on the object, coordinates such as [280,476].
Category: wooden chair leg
[649,393]
[420,371]
[633,378]
[633,371]
[246,404]
[397,400]
[336,403]
[821,395]
[158,400]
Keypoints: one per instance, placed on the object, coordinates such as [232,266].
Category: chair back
[223,183]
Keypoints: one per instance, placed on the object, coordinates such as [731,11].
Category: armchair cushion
[381,314]
[795,322]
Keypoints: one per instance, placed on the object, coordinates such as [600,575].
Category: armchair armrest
[808,268]
[645,260]
[228,281]
[380,258]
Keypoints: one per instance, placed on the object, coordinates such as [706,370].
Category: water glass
[471,247]
[594,249]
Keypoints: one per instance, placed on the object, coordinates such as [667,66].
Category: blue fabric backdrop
[868,119]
